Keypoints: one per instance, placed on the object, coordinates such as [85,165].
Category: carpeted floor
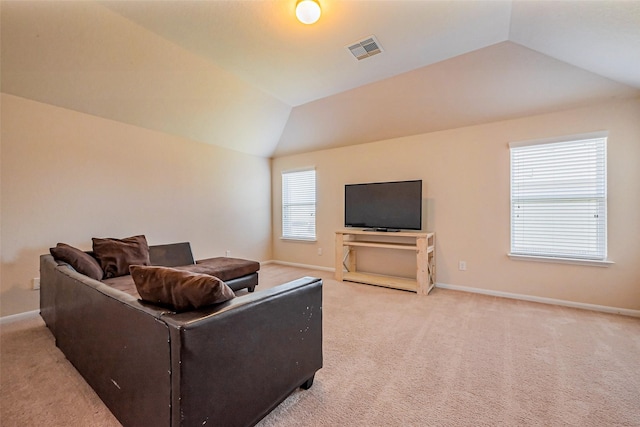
[392,358]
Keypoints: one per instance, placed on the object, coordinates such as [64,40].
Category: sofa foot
[251,288]
[308,383]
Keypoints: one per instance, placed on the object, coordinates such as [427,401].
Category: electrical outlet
[319,251]
[227,253]
[462,265]
[36,283]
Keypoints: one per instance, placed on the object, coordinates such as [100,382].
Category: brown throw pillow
[116,255]
[181,290]
[81,261]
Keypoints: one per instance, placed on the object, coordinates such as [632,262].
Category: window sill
[299,239]
[575,261]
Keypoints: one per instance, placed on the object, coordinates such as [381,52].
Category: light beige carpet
[392,358]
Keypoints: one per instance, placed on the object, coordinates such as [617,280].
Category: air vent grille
[365,48]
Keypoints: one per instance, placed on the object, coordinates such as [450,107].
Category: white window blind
[559,199]
[299,204]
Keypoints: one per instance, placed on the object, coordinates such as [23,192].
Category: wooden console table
[420,242]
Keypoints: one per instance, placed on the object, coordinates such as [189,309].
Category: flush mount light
[308,11]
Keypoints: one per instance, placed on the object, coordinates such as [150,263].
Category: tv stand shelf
[420,242]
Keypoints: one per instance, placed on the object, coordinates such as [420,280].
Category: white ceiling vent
[365,48]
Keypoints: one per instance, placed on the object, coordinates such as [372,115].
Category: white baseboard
[553,301]
[293,264]
[20,316]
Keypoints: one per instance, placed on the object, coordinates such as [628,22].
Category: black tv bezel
[381,227]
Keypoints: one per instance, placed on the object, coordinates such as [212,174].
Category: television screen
[384,205]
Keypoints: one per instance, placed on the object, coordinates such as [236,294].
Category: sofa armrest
[236,363]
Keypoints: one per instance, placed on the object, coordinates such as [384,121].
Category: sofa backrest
[171,255]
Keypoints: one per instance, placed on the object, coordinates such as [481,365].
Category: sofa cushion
[179,289]
[124,284]
[81,261]
[116,255]
[223,267]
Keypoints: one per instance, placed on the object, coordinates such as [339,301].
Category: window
[559,198]
[299,204]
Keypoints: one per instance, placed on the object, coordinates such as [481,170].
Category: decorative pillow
[81,261]
[116,255]
[178,289]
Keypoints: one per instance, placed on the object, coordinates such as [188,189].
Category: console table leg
[339,256]
[422,275]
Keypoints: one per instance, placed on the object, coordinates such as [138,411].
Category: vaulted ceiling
[247,76]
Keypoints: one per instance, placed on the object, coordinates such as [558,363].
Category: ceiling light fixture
[308,11]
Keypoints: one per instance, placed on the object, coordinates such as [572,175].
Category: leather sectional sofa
[227,364]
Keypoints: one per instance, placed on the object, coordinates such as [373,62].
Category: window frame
[573,258]
[286,231]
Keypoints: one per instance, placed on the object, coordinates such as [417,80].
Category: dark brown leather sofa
[225,365]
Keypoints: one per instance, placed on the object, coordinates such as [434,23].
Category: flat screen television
[384,206]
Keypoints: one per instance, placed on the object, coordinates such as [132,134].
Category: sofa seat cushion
[124,284]
[223,268]
[179,290]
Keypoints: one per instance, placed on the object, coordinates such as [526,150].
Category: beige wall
[465,176]
[67,177]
